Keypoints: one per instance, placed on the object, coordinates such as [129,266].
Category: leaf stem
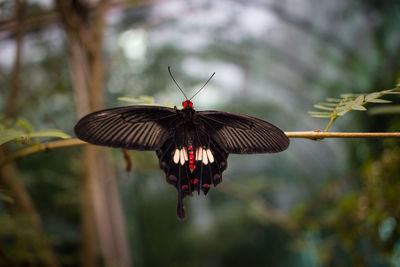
[333,118]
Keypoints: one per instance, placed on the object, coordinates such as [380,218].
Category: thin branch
[330,123]
[41,148]
[313,135]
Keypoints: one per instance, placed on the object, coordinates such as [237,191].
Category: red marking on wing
[185,187]
[195,181]
[206,186]
[191,158]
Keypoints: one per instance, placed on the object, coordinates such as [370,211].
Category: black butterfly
[192,146]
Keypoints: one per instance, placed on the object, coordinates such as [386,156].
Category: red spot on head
[187,104]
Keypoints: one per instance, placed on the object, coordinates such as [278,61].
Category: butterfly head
[187,104]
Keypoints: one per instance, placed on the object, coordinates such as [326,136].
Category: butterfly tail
[180,209]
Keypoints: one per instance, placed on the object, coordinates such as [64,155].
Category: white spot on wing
[182,157]
[199,154]
[185,154]
[176,156]
[210,156]
[205,159]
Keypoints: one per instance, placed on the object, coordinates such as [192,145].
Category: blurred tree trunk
[100,196]
[9,173]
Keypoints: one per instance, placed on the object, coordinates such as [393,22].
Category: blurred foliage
[23,132]
[20,243]
[53,185]
[335,107]
[363,221]
[142,100]
[5,197]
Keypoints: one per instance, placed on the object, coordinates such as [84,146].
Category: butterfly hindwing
[211,161]
[191,162]
[131,127]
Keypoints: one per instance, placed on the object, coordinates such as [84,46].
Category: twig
[313,135]
[41,147]
[330,123]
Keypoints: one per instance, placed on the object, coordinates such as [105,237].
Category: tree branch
[41,148]
[313,135]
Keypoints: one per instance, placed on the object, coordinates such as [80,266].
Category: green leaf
[358,107]
[6,198]
[391,92]
[26,125]
[169,104]
[7,135]
[50,133]
[347,106]
[330,99]
[372,96]
[128,99]
[323,107]
[379,101]
[321,115]
[141,99]
[341,113]
[359,100]
[319,112]
[329,104]
[349,95]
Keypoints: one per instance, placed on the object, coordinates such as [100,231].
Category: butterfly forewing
[132,127]
[241,134]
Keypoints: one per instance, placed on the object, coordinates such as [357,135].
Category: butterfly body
[192,146]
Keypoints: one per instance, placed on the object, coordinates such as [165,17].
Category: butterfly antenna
[170,73]
[203,86]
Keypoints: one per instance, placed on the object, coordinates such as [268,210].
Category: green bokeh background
[325,203]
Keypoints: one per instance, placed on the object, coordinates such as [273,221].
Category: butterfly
[192,146]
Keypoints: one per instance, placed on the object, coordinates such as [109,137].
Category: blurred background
[326,203]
